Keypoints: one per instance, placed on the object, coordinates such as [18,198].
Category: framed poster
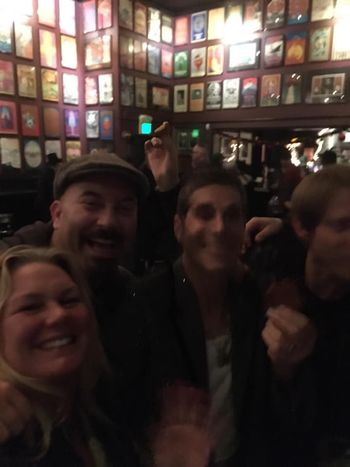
[30,120]
[197,97]
[213,95]
[181,98]
[273,51]
[126,14]
[320,44]
[24,41]
[161,97]
[181,64]
[69,57]
[91,94]
[249,92]
[32,154]
[104,14]
[167,29]
[167,63]
[230,93]
[6,38]
[7,80]
[153,24]
[341,47]
[141,97]
[270,90]
[92,124]
[26,81]
[327,88]
[8,118]
[73,150]
[67,17]
[10,152]
[153,59]
[253,13]
[291,90]
[322,9]
[275,13]
[181,30]
[49,85]
[89,16]
[140,55]
[140,25]
[295,48]
[199,26]
[298,11]
[105,88]
[216,23]
[52,122]
[53,146]
[98,52]
[234,16]
[215,60]
[198,62]
[244,56]
[70,89]
[48,52]
[46,12]
[71,123]
[126,47]
[106,125]
[127,90]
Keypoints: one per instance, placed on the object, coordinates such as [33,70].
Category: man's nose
[107,218]
[218,223]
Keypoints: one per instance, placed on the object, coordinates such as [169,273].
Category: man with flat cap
[94,214]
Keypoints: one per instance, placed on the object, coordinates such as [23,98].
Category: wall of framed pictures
[39,82]
[55,61]
[246,61]
[261,55]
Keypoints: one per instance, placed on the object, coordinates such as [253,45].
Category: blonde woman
[49,349]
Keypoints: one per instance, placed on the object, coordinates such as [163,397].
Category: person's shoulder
[37,234]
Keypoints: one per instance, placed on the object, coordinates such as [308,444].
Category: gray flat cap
[96,164]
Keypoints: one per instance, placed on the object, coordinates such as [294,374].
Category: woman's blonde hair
[94,363]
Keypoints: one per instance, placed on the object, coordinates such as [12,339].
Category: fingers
[289,337]
[163,129]
[184,405]
[153,143]
[288,321]
[15,411]
[270,228]
[261,228]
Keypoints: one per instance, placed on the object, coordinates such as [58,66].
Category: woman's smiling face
[45,326]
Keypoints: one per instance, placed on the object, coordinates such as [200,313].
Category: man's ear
[56,211]
[178,227]
[301,232]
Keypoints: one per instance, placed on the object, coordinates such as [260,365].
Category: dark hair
[328,157]
[204,177]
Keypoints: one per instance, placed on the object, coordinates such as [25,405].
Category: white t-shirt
[222,419]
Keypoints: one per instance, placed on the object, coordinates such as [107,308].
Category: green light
[146,128]
[195,133]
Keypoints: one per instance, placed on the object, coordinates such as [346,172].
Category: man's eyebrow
[89,193]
